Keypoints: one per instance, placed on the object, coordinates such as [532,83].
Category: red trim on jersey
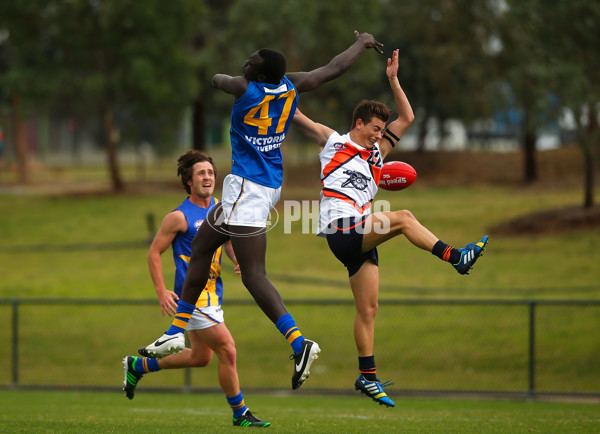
[342,156]
[332,193]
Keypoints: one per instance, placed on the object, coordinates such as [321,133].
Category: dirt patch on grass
[557,169]
[560,168]
[553,221]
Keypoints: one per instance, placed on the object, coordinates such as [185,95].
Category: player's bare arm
[305,81]
[315,131]
[231,255]
[396,129]
[171,225]
[235,86]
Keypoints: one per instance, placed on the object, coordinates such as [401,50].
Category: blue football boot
[374,390]
[469,255]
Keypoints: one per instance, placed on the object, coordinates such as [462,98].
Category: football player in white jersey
[350,170]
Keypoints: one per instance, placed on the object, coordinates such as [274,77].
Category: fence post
[15,342]
[187,372]
[150,219]
[532,306]
[187,380]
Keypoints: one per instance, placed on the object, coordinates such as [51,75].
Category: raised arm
[317,132]
[235,86]
[305,81]
[395,130]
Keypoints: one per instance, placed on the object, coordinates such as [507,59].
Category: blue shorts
[344,237]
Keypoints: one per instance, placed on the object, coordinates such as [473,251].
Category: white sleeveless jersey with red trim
[350,175]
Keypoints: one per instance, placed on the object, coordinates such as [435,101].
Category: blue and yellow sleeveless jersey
[212,295]
[260,120]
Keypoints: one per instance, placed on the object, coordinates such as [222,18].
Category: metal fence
[525,348]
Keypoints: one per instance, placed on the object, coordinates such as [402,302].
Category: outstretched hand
[392,66]
[369,41]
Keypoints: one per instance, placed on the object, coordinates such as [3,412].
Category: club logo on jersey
[339,146]
[198,224]
[357,179]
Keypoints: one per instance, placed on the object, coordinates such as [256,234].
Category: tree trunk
[422,132]
[20,143]
[112,140]
[198,126]
[529,151]
[588,176]
[592,136]
[530,154]
[442,133]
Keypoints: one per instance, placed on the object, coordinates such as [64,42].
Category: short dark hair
[366,110]
[185,166]
[273,66]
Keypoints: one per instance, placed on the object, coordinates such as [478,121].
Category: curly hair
[185,166]
[273,65]
[365,110]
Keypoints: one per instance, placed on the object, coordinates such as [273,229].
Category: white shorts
[205,317]
[246,203]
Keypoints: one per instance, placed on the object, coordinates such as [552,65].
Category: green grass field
[62,412]
[418,347]
[564,265]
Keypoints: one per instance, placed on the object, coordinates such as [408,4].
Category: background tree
[444,54]
[100,58]
[521,64]
[569,34]
[21,53]
[136,66]
[209,33]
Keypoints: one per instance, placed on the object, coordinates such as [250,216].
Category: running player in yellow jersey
[206,328]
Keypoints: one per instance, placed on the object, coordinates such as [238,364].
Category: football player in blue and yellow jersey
[206,327]
[265,102]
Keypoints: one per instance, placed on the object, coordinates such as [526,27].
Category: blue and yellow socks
[182,316]
[445,252]
[143,365]
[287,327]
[237,404]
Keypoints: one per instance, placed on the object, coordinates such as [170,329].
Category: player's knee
[200,360]
[231,352]
[404,215]
[403,218]
[227,353]
[368,311]
[247,279]
[252,279]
